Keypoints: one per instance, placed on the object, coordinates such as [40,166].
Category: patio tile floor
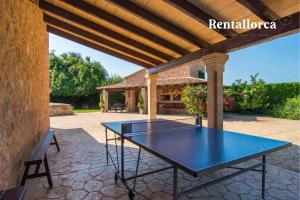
[80,171]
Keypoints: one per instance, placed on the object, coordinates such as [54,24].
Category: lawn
[85,110]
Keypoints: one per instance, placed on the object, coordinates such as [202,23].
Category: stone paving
[80,171]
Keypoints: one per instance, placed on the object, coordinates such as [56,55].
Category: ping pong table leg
[106,146]
[263,177]
[137,167]
[175,177]
[122,159]
[117,153]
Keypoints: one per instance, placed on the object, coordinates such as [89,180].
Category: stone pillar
[105,99]
[127,101]
[152,96]
[130,100]
[144,95]
[215,67]
[133,94]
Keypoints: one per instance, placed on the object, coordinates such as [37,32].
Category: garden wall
[24,85]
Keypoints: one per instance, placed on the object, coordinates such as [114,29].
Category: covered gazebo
[170,86]
[157,35]
[147,33]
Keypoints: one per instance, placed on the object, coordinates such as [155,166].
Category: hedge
[257,97]
[278,93]
[90,101]
[290,109]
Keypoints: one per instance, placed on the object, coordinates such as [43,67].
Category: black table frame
[119,173]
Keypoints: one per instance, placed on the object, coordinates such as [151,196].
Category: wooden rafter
[103,15]
[285,26]
[101,29]
[198,14]
[258,8]
[96,47]
[73,29]
[154,19]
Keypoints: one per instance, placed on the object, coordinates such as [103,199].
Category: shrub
[248,97]
[254,96]
[101,102]
[92,101]
[278,93]
[194,99]
[140,102]
[290,109]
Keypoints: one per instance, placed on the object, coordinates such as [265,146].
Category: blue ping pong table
[191,148]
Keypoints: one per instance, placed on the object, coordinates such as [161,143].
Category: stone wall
[58,109]
[24,85]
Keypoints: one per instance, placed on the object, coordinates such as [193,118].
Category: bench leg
[48,172]
[37,169]
[56,143]
[27,167]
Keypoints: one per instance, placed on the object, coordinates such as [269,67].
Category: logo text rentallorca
[244,24]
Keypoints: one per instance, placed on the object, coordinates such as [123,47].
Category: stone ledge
[59,109]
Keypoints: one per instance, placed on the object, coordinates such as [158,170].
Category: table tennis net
[157,126]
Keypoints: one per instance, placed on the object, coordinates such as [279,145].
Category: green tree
[113,79]
[194,99]
[73,76]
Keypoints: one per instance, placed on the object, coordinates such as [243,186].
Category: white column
[215,67]
[105,99]
[152,96]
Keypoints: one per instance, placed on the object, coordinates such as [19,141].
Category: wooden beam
[200,15]
[92,45]
[73,29]
[103,15]
[258,8]
[154,19]
[101,29]
[285,26]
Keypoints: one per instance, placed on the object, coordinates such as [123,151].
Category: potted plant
[101,103]
[195,101]
[141,104]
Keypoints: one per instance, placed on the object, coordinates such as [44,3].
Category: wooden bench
[38,156]
[17,193]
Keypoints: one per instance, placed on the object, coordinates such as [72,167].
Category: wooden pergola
[161,34]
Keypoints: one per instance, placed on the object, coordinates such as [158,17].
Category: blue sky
[275,61]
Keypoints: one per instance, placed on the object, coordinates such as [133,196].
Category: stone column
[105,99]
[126,101]
[215,67]
[152,97]
[133,94]
[130,98]
[144,95]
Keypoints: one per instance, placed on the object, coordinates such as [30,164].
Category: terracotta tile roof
[160,82]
